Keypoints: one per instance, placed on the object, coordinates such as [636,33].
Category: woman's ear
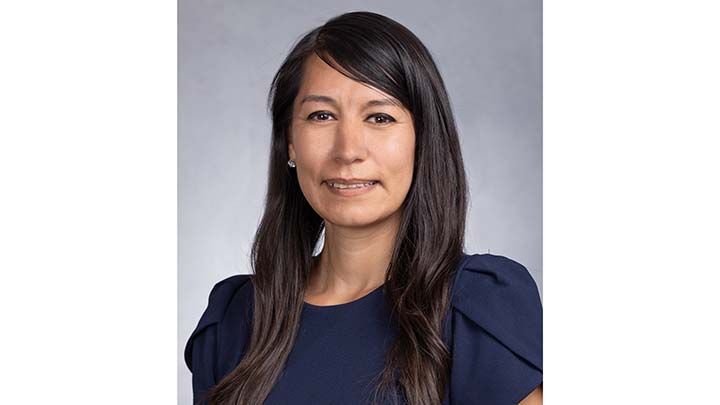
[291,151]
[291,147]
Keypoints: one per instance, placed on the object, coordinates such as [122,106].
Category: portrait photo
[360,202]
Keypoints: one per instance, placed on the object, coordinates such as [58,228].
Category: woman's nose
[349,141]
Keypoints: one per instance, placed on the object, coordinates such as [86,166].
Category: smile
[349,190]
[355,185]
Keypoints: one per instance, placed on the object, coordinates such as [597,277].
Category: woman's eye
[381,119]
[321,115]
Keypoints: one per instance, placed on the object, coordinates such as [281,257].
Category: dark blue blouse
[493,329]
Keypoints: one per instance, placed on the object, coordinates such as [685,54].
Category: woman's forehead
[323,84]
[320,78]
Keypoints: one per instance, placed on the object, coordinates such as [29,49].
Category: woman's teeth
[358,185]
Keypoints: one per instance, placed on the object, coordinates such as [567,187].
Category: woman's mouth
[352,185]
[350,189]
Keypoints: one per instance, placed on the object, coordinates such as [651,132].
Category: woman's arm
[534,398]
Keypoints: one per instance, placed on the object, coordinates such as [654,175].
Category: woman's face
[345,132]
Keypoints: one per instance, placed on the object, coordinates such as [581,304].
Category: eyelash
[388,118]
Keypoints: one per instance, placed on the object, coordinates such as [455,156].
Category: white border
[631,202]
[88,207]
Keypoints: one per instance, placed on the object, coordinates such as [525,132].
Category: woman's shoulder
[220,297]
[493,280]
[496,330]
[500,295]
[229,303]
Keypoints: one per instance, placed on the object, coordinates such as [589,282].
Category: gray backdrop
[489,53]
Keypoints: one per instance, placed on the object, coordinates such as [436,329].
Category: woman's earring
[291,163]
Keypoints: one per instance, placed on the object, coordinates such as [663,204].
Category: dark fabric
[493,328]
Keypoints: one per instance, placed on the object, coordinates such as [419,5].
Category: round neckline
[344,304]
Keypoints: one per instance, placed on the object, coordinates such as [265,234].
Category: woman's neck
[353,261]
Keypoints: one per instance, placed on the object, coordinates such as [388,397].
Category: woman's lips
[350,192]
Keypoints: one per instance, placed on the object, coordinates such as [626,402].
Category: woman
[365,150]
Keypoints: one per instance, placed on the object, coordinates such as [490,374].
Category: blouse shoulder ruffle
[201,351]
[496,331]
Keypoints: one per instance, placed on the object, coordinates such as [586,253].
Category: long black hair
[382,53]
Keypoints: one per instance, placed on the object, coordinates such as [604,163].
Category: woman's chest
[336,359]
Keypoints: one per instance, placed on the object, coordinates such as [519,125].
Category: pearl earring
[291,163]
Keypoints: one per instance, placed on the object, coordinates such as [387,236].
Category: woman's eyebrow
[330,100]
